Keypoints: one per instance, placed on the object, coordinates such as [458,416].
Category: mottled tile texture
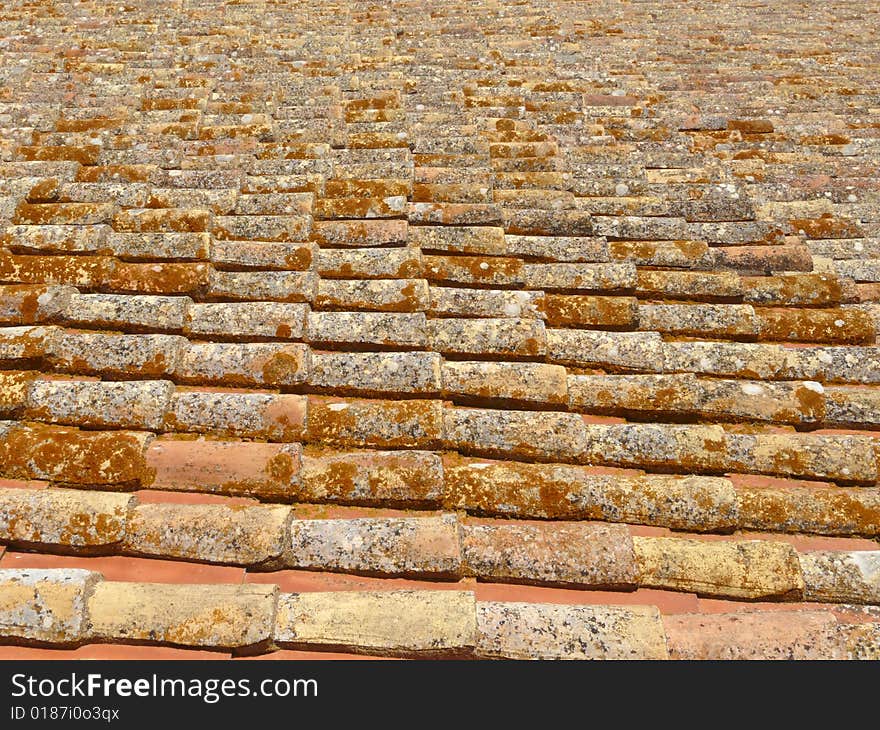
[423,329]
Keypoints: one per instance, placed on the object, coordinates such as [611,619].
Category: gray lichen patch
[45,605]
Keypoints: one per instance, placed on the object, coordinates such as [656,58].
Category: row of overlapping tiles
[285,472]
[544,436]
[77,606]
[444,546]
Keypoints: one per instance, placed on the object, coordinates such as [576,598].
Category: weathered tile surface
[387,622]
[567,331]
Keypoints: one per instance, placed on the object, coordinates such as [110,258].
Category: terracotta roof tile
[218,411]
[276,286]
[476,346]
[547,631]
[371,477]
[574,553]
[807,635]
[161,278]
[121,568]
[749,570]
[213,533]
[841,577]
[398,622]
[183,615]
[56,597]
[132,313]
[381,295]
[69,455]
[64,517]
[225,467]
[407,546]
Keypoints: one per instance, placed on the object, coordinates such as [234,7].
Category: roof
[490,329]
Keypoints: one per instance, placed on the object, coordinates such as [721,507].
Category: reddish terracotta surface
[715,605]
[805,543]
[855,614]
[648,531]
[22,484]
[304,581]
[108,651]
[800,542]
[129,569]
[869,291]
[848,614]
[762,480]
[203,465]
[666,601]
[602,419]
[155,496]
[289,655]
